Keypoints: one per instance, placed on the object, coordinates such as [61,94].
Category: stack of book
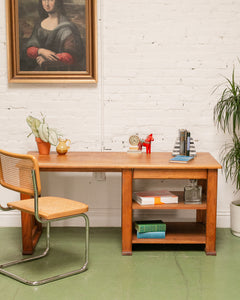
[155,197]
[184,136]
[184,144]
[154,229]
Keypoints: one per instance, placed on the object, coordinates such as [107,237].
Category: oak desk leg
[211,213]
[31,231]
[127,212]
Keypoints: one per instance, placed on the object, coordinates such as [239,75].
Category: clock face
[134,140]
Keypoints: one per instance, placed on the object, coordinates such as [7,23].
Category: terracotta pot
[43,147]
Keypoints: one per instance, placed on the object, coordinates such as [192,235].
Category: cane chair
[20,173]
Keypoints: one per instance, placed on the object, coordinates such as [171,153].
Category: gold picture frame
[52,44]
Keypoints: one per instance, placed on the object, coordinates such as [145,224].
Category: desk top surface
[120,160]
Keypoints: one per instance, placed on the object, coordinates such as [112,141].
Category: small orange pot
[43,147]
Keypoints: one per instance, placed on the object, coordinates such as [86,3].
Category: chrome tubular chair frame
[53,278]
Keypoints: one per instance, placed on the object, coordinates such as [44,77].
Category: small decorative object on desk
[63,146]
[193,193]
[182,159]
[154,197]
[146,143]
[134,141]
[184,144]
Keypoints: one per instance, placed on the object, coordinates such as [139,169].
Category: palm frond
[230,157]
[227,110]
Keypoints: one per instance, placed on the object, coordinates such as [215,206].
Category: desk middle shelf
[179,205]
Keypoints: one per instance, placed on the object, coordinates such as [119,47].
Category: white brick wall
[159,62]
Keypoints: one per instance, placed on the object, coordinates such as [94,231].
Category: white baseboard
[223,219]
[97,218]
[111,217]
[10,219]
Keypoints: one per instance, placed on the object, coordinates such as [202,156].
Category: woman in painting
[55,43]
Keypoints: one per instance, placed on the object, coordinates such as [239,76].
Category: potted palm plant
[44,136]
[227,118]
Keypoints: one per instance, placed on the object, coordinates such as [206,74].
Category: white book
[155,197]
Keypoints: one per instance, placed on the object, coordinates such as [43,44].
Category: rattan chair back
[16,172]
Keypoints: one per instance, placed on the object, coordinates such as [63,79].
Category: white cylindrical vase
[235,217]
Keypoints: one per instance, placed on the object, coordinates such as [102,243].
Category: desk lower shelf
[178,233]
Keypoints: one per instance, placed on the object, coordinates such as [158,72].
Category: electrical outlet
[99,176]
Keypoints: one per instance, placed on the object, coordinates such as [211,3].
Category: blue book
[151,235]
[181,159]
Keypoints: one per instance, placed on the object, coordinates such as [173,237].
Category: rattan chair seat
[51,207]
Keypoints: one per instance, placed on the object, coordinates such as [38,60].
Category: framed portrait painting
[52,41]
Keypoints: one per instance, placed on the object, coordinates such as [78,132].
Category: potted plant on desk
[227,117]
[44,136]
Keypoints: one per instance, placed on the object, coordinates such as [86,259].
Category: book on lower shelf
[151,235]
[150,225]
[155,197]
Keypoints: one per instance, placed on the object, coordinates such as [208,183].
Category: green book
[150,226]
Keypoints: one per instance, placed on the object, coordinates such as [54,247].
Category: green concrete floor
[161,272]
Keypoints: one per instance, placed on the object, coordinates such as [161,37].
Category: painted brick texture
[158,63]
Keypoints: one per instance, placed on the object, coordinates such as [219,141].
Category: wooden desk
[145,166]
